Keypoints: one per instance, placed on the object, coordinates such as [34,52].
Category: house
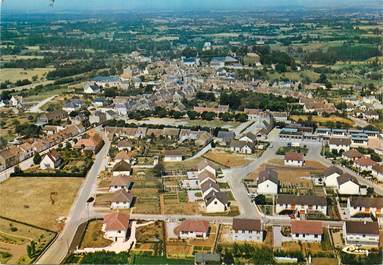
[116,226]
[364,164]
[204,176]
[26,151]
[51,160]
[361,233]
[209,186]
[91,88]
[330,176]
[107,81]
[171,133]
[339,144]
[216,202]
[9,157]
[123,155]
[125,145]
[203,138]
[16,101]
[371,115]
[225,137]
[241,147]
[306,231]
[365,205]
[51,117]
[120,182]
[173,155]
[352,155]
[359,140]
[248,137]
[73,105]
[206,165]
[247,230]
[301,203]
[121,199]
[93,143]
[294,159]
[141,132]
[267,182]
[155,133]
[193,229]
[377,172]
[348,185]
[122,168]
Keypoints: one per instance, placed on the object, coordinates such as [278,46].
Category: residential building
[91,88]
[294,159]
[125,145]
[120,182]
[248,137]
[193,229]
[173,155]
[361,233]
[306,231]
[209,186]
[121,199]
[348,185]
[122,168]
[301,203]
[352,155]
[267,182]
[116,226]
[364,164]
[51,160]
[207,259]
[330,176]
[216,202]
[247,230]
[207,165]
[93,143]
[241,147]
[339,144]
[365,205]
[377,172]
[9,157]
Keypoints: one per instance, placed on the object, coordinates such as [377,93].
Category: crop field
[14,74]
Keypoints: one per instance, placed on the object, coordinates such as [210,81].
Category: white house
[125,145]
[209,186]
[205,176]
[294,159]
[306,231]
[243,147]
[91,88]
[248,137]
[365,205]
[216,202]
[173,155]
[330,176]
[267,182]
[206,165]
[122,199]
[352,155]
[120,182]
[116,226]
[348,185]
[122,168]
[339,144]
[377,172]
[247,230]
[364,164]
[192,229]
[301,203]
[361,233]
[51,160]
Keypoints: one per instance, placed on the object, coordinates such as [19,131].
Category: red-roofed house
[294,159]
[51,160]
[309,231]
[190,229]
[116,226]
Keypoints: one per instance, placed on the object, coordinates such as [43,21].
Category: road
[56,253]
[36,108]
[30,86]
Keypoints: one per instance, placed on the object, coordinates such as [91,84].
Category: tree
[260,199]
[36,158]
[207,115]
[31,249]
[192,114]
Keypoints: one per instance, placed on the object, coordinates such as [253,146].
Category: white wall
[247,236]
[307,237]
[267,187]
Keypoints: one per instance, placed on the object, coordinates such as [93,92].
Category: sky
[188,5]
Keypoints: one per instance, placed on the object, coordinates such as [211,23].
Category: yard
[319,119]
[15,74]
[15,237]
[150,239]
[177,203]
[41,201]
[226,159]
[94,237]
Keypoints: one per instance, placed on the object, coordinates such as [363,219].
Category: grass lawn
[15,237]
[226,159]
[39,200]
[14,74]
[160,260]
[94,237]
[182,165]
[319,119]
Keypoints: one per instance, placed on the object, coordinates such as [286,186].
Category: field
[176,203]
[226,159]
[40,200]
[15,237]
[8,122]
[14,74]
[183,165]
[319,119]
[150,239]
[94,237]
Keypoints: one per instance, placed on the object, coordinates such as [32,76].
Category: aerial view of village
[191,132]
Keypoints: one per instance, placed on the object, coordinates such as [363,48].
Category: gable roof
[209,184]
[331,170]
[267,174]
[306,227]
[340,141]
[188,225]
[376,202]
[120,181]
[250,135]
[345,177]
[53,155]
[295,156]
[174,152]
[366,228]
[365,161]
[125,143]
[116,221]
[122,195]
[123,155]
[241,144]
[122,166]
[220,196]
[204,175]
[204,163]
[247,224]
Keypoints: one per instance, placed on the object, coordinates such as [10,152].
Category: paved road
[30,86]
[79,211]
[36,108]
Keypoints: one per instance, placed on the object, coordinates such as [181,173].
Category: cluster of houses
[12,155]
[200,138]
